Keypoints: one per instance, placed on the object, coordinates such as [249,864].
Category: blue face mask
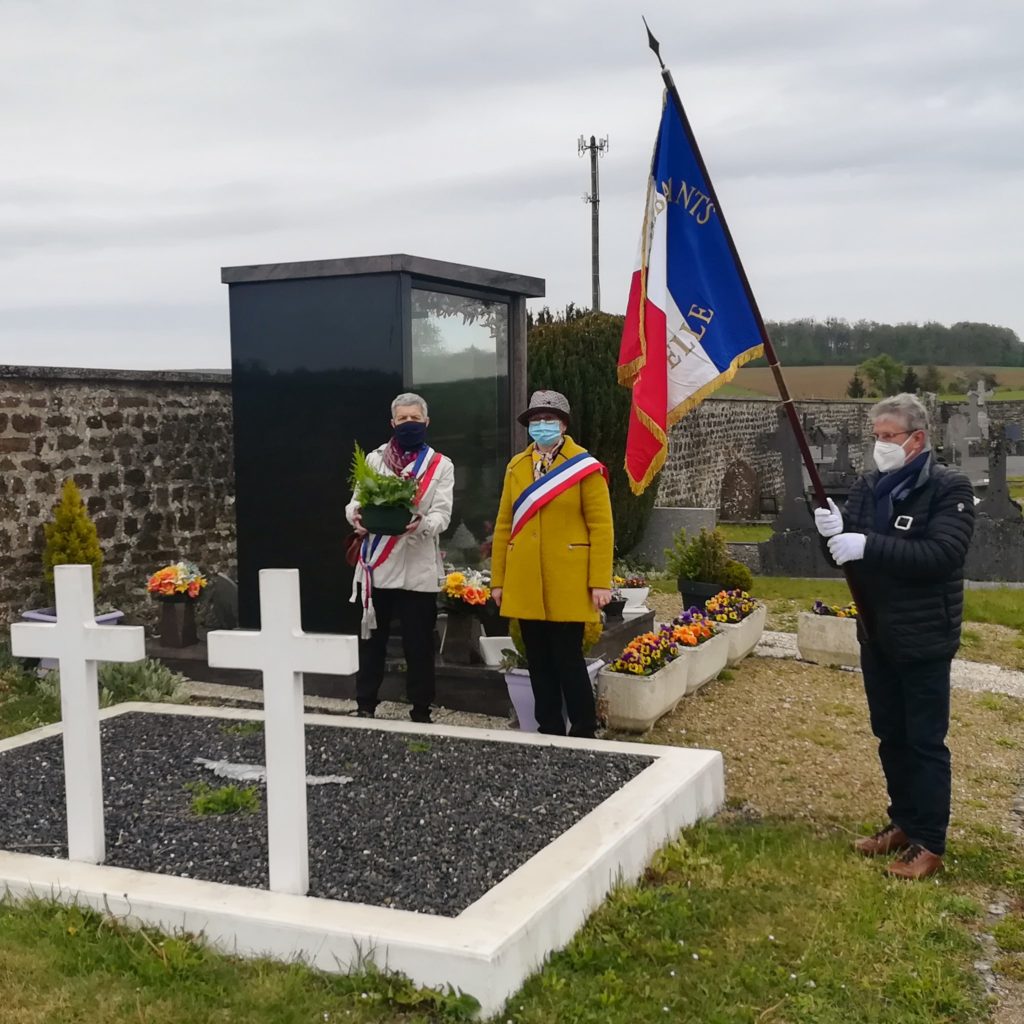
[411,434]
[545,432]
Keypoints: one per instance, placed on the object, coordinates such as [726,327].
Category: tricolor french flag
[689,323]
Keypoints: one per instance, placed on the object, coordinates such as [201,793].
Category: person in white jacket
[406,582]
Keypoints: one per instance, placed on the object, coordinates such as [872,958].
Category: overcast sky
[867,153]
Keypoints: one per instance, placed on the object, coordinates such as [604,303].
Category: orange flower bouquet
[465,591]
[181,581]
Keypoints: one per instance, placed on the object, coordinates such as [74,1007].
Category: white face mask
[888,455]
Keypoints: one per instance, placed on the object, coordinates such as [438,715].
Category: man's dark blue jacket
[911,579]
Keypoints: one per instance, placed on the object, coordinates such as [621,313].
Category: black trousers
[909,707]
[558,671]
[417,614]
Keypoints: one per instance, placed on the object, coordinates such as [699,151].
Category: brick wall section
[152,455]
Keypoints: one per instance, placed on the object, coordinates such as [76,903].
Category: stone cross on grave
[794,513]
[997,503]
[977,417]
[283,652]
[78,644]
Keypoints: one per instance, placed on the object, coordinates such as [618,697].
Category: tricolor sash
[376,548]
[555,482]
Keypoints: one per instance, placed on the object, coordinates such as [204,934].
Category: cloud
[868,154]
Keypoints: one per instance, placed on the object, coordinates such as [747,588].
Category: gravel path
[966,675]
[427,824]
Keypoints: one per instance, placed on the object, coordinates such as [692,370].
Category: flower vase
[461,643]
[520,692]
[178,621]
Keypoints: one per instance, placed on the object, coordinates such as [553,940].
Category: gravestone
[319,349]
[78,644]
[794,514]
[663,527]
[740,499]
[955,440]
[997,503]
[843,465]
[794,549]
[283,653]
[997,546]
[977,417]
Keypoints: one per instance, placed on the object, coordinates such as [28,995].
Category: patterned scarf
[396,458]
[542,460]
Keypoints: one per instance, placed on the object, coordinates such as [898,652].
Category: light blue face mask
[545,432]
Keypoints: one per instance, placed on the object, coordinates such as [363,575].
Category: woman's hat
[546,401]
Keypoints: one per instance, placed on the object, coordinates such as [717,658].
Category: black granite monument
[318,351]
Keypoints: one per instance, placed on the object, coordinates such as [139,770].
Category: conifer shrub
[578,356]
[71,537]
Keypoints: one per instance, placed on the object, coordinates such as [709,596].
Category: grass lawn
[745,533]
[761,915]
[1016,484]
[1000,395]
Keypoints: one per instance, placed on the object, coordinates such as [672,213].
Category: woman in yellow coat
[551,563]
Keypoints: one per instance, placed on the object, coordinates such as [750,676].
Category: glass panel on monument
[460,365]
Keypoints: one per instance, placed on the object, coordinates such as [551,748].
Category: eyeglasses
[892,437]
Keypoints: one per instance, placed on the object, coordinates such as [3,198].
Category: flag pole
[769,350]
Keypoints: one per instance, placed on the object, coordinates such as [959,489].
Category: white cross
[78,643]
[282,652]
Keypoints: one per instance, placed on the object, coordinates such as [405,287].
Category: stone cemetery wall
[1005,412]
[723,438]
[152,455]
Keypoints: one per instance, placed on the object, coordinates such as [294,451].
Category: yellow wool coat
[548,570]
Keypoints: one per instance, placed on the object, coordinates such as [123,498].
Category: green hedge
[579,357]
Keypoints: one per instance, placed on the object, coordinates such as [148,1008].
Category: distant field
[831,381]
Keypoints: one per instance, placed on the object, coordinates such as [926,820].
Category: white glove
[847,547]
[829,521]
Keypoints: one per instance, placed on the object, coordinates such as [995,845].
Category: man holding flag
[690,323]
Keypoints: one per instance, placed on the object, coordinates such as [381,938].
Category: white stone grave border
[488,950]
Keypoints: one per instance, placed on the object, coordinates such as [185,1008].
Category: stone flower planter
[520,692]
[706,661]
[634,703]
[828,640]
[744,636]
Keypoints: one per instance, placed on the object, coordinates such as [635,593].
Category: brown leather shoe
[915,863]
[887,840]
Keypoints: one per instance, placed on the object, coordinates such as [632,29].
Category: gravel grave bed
[427,824]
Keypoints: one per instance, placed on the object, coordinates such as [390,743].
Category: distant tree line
[837,342]
[883,375]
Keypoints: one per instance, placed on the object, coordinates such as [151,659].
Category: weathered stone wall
[723,431]
[152,455]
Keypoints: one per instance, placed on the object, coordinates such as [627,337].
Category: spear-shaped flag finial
[653,43]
